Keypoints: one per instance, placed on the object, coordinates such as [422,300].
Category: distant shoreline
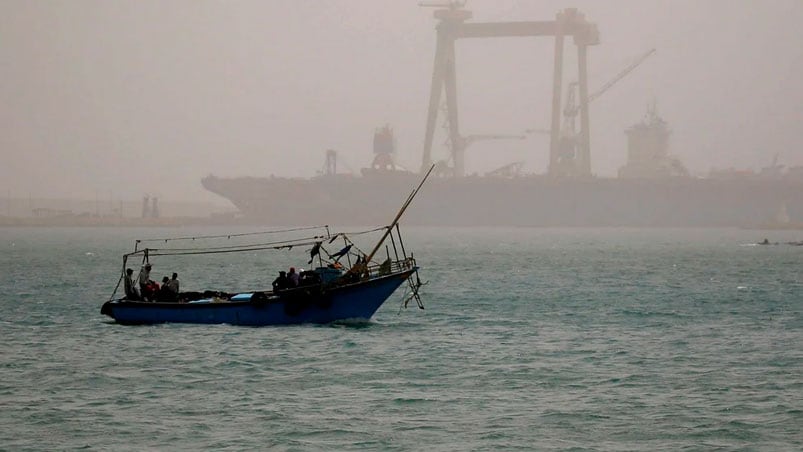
[232,220]
[91,221]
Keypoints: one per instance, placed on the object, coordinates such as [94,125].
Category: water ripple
[531,340]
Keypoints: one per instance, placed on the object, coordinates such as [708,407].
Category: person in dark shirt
[173,284]
[281,282]
[130,288]
[165,294]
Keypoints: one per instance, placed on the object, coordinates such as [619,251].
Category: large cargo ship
[653,190]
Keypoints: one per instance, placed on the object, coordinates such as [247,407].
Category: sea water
[532,339]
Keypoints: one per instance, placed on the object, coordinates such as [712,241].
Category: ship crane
[443,168]
[569,138]
[469,139]
[509,171]
[572,110]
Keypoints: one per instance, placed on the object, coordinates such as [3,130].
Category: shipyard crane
[453,25]
[460,143]
[568,141]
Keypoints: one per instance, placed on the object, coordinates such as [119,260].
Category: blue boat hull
[359,300]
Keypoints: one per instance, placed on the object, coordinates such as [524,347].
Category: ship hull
[524,201]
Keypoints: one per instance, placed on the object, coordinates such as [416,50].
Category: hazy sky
[122,98]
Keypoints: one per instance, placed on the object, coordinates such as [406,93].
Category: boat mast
[389,229]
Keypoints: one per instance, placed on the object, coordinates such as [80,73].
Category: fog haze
[124,98]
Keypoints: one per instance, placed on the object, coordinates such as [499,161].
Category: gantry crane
[453,25]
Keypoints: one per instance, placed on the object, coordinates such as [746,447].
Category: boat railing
[376,269]
[394,266]
[356,274]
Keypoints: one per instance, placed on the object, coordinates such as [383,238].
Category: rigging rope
[288,243]
[122,275]
[277,244]
[367,231]
[173,252]
[228,236]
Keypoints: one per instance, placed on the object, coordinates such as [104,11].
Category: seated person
[173,284]
[309,278]
[165,294]
[293,277]
[384,268]
[281,282]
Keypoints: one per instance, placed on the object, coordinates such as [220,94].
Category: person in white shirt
[293,277]
[144,279]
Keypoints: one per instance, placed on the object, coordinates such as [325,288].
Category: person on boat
[173,284]
[308,278]
[165,294]
[362,267]
[130,290]
[292,276]
[384,268]
[146,286]
[281,282]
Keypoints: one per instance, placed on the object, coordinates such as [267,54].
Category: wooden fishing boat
[330,292]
